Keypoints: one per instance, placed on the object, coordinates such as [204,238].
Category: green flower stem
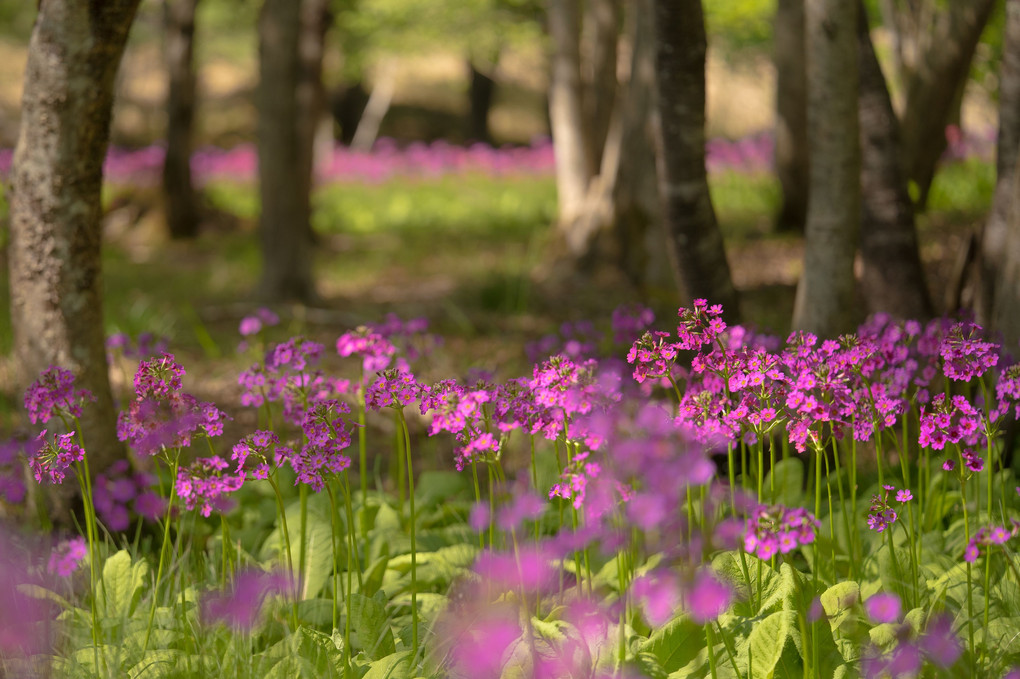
[353,557]
[286,544]
[730,651]
[709,637]
[303,537]
[174,462]
[414,530]
[848,525]
[832,522]
[85,485]
[478,501]
[966,537]
[398,455]
[333,514]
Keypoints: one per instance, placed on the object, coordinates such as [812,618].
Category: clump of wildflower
[66,556]
[481,448]
[987,536]
[574,479]
[653,356]
[258,447]
[55,457]
[239,606]
[949,421]
[965,354]
[882,515]
[700,325]
[162,415]
[54,395]
[392,388]
[205,482]
[375,350]
[778,529]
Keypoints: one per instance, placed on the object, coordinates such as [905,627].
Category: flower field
[701,501]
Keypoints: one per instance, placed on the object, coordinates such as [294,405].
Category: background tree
[180,199]
[55,232]
[934,45]
[791,154]
[997,227]
[892,278]
[288,100]
[1001,242]
[826,301]
[695,242]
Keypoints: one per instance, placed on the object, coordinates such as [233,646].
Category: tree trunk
[825,303]
[284,147]
[181,203]
[55,210]
[566,113]
[481,91]
[934,85]
[892,278]
[791,155]
[599,38]
[995,234]
[695,241]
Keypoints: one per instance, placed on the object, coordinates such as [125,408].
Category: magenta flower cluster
[987,536]
[778,530]
[881,514]
[53,395]
[162,415]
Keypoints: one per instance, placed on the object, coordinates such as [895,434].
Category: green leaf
[676,643]
[318,546]
[331,646]
[155,663]
[839,597]
[433,488]
[374,577]
[371,625]
[789,480]
[767,640]
[393,666]
[121,585]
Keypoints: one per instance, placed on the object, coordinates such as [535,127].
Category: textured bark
[566,111]
[791,156]
[933,88]
[481,90]
[995,234]
[825,303]
[892,278]
[55,229]
[181,202]
[284,145]
[695,242]
[1006,308]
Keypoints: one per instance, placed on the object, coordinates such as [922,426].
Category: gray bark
[694,239]
[791,155]
[566,111]
[996,231]
[826,302]
[892,278]
[284,145]
[934,85]
[55,229]
[599,37]
[181,202]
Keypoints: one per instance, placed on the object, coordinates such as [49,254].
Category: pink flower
[707,597]
[66,556]
[883,607]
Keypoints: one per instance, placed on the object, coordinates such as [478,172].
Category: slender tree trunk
[55,210]
[284,157]
[311,94]
[181,202]
[791,156]
[996,231]
[695,241]
[481,92]
[566,111]
[826,302]
[599,38]
[892,278]
[934,85]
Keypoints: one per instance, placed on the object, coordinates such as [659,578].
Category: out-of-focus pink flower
[883,607]
[67,555]
[239,607]
[707,597]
